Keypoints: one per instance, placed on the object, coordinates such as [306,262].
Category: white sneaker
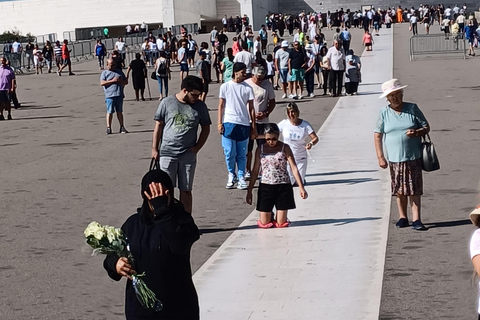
[292,96]
[247,176]
[300,97]
[231,181]
[311,95]
[242,184]
[284,96]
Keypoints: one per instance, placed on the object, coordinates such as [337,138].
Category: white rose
[99,233]
[92,228]
[111,234]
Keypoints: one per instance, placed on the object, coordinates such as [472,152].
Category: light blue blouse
[399,147]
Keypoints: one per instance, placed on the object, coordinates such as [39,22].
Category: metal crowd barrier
[437,44]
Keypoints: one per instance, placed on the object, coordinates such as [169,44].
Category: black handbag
[429,156]
[154,164]
[154,75]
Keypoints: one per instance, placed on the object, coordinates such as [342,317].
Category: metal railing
[437,44]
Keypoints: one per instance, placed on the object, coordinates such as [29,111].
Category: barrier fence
[437,44]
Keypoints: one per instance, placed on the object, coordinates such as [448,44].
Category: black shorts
[206,85]
[191,54]
[260,131]
[4,96]
[279,196]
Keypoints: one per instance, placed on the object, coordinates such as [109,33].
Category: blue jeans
[235,153]
[163,80]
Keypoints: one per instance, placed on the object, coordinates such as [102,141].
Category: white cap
[285,44]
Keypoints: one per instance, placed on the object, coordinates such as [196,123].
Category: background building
[40,17]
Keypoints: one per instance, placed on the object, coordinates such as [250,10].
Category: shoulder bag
[429,156]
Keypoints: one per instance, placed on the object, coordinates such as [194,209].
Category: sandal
[283,225]
[264,226]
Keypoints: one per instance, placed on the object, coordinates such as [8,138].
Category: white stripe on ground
[329,264]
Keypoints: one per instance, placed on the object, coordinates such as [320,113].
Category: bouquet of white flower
[111,240]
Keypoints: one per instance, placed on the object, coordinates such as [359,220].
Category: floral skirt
[407,178]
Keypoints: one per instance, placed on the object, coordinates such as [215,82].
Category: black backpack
[162,68]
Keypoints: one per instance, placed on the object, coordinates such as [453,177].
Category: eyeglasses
[271,139]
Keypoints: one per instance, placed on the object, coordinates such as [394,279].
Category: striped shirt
[58,51]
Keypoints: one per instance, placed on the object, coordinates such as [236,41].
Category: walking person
[29,53]
[66,59]
[121,47]
[310,71]
[7,88]
[139,74]
[226,66]
[113,81]
[296,69]
[282,57]
[295,131]
[163,74]
[183,60]
[38,59]
[57,49]
[236,123]
[264,104]
[352,73]
[367,40]
[245,57]
[47,52]
[336,61]
[325,67]
[403,125]
[164,257]
[275,188]
[175,140]
[413,24]
[202,68]
[100,52]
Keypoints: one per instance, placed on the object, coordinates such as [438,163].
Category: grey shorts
[180,168]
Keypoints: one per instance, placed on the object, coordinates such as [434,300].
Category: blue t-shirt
[113,90]
[399,146]
[263,34]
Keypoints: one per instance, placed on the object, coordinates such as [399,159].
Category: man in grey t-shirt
[175,140]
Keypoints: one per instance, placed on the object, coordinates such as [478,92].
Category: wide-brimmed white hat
[391,86]
[475,216]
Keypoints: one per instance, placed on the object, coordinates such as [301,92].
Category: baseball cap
[285,44]
[259,71]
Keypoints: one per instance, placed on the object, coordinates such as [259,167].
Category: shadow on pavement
[447,224]
[293,224]
[339,172]
[140,131]
[42,118]
[340,181]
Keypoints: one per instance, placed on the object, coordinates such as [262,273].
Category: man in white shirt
[128,29]
[336,61]
[160,43]
[256,45]
[246,58]
[120,46]
[236,124]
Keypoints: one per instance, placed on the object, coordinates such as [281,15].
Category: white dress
[295,137]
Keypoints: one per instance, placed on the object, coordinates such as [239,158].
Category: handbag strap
[425,138]
[154,164]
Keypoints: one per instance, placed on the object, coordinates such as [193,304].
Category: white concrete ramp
[329,263]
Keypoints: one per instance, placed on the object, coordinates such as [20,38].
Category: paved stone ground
[427,274]
[60,171]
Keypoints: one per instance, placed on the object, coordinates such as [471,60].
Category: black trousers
[336,82]
[326,80]
[310,81]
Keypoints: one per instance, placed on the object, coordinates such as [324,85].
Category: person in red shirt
[66,59]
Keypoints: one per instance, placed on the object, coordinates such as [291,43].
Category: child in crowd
[275,189]
[367,40]
[270,68]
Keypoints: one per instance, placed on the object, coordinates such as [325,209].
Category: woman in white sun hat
[403,125]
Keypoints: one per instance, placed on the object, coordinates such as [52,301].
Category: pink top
[274,167]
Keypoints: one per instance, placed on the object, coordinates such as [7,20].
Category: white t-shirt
[295,136]
[256,46]
[337,58]
[245,57]
[413,19]
[475,251]
[448,12]
[282,56]
[17,47]
[236,96]
[262,96]
[120,46]
[160,44]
